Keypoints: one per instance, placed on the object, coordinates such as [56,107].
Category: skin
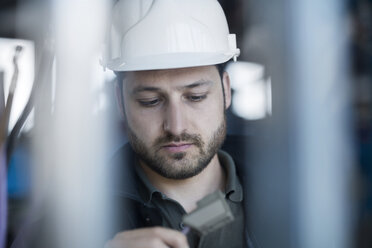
[156,237]
[187,106]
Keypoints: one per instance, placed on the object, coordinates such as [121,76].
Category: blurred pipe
[4,123]
[301,180]
[42,79]
[3,177]
[72,149]
[44,68]
[3,197]
[5,116]
[2,92]
[322,111]
[3,174]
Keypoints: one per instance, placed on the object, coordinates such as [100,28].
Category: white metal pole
[73,149]
[301,193]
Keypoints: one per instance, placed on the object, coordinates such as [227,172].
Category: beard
[180,165]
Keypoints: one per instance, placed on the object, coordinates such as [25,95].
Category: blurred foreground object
[70,145]
[302,177]
[212,213]
[4,123]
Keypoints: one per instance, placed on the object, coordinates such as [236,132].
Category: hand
[154,237]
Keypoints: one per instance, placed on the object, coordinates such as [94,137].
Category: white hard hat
[165,34]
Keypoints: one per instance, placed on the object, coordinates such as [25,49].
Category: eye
[196,98]
[149,103]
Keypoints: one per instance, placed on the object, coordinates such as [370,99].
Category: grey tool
[212,212]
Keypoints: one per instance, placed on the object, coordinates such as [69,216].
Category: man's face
[176,118]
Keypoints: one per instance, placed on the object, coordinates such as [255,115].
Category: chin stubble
[187,166]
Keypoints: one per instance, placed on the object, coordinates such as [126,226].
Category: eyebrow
[196,84]
[199,83]
[139,89]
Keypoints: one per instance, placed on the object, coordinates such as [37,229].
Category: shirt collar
[146,189]
[233,189]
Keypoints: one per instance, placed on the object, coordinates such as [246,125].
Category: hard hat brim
[169,61]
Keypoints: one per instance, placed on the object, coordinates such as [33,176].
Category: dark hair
[221,68]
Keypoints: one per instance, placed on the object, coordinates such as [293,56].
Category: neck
[189,191]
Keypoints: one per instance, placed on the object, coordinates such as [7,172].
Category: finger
[155,237]
[172,238]
[137,243]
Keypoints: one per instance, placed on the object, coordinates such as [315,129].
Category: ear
[120,100]
[227,89]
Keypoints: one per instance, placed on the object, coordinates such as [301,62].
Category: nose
[174,119]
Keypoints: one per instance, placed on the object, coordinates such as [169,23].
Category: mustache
[183,137]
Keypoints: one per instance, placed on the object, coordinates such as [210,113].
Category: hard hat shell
[165,34]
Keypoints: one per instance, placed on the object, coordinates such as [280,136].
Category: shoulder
[123,178]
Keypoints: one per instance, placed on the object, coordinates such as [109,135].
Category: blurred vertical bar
[301,180]
[3,174]
[324,144]
[73,148]
[3,197]
[2,92]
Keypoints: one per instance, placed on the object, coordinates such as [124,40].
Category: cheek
[144,123]
[209,118]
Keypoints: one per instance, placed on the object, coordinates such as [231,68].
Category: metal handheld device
[212,213]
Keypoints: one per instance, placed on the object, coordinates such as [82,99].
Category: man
[173,94]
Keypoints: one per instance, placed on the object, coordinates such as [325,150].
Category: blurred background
[302,93]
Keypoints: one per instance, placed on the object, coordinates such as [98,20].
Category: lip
[177,147]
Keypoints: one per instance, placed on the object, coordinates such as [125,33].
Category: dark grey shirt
[231,235]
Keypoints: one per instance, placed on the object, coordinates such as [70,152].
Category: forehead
[172,77]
